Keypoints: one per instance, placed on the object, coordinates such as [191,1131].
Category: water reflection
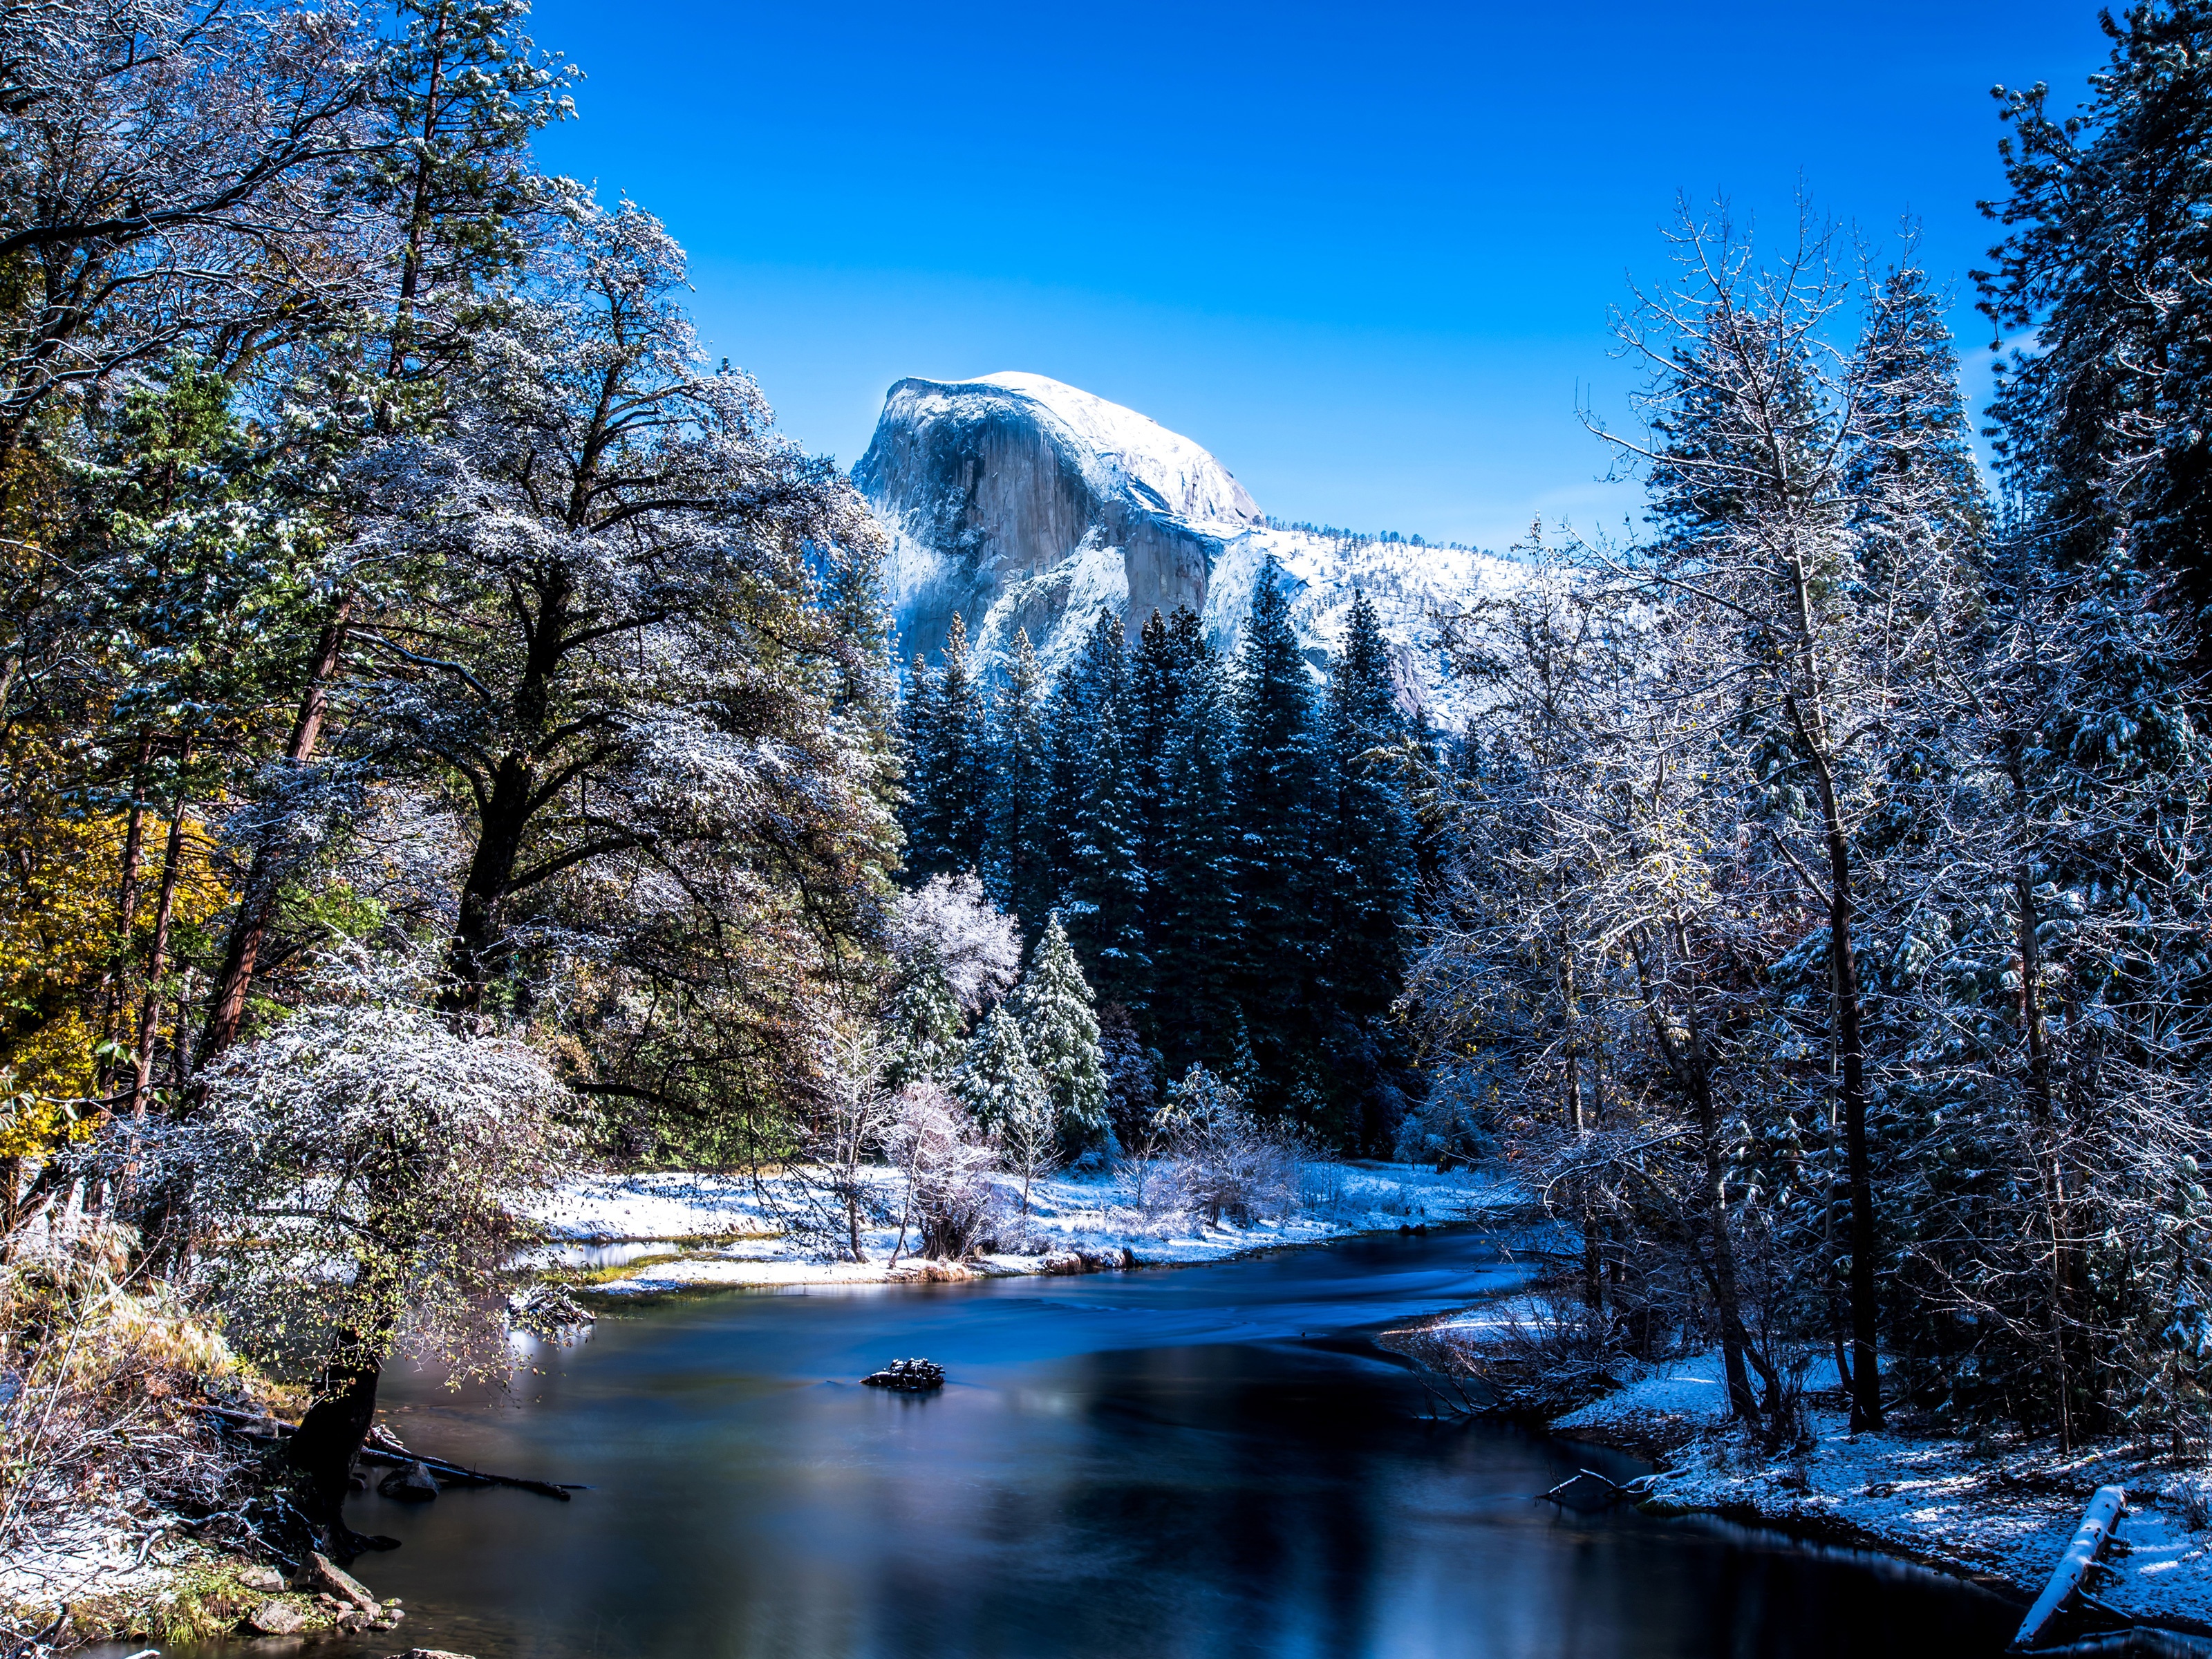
[1141,1465]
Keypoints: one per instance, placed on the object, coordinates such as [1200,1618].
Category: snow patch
[730,1232]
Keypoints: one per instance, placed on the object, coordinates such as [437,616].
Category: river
[1208,1461]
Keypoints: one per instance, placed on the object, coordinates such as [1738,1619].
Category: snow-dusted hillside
[1020,502]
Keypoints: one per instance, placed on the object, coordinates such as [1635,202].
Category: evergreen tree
[1369,900]
[1087,689]
[952,760]
[461,92]
[1159,675]
[918,723]
[1105,886]
[997,1081]
[922,1042]
[1060,1030]
[1097,879]
[1018,867]
[1193,926]
[1371,859]
[2106,422]
[1275,783]
[1131,1072]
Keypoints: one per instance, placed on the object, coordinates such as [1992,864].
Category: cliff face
[1020,502]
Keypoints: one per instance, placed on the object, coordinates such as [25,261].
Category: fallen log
[457,1474]
[1618,1490]
[2073,1562]
[275,1428]
[1580,1474]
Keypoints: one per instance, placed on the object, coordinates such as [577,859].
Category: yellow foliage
[61,941]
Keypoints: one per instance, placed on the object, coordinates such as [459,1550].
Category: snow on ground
[2005,1511]
[730,1232]
[79,1555]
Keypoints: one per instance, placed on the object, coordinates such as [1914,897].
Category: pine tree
[951,761]
[1372,856]
[1060,1029]
[1369,899]
[461,92]
[1159,675]
[1018,866]
[1086,688]
[1193,926]
[1100,885]
[918,723]
[922,1041]
[1275,781]
[2106,422]
[1131,1072]
[996,1080]
[1105,884]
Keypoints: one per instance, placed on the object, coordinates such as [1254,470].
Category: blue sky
[1364,253]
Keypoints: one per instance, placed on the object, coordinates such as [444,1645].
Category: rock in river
[907,1376]
[276,1617]
[410,1485]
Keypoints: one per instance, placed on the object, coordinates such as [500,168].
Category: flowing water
[1210,1461]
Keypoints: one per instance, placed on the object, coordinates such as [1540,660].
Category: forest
[452,740]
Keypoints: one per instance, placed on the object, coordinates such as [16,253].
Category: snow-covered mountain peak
[1173,474]
[1023,504]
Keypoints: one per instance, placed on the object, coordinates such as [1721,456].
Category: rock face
[1021,503]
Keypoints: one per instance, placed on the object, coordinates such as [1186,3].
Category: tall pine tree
[1370,876]
[947,741]
[1192,902]
[1274,789]
[1101,887]
[1368,902]
[1060,1031]
[1018,864]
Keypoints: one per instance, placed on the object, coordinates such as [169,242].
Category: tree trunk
[2043,1119]
[1850,1048]
[1692,1071]
[478,949]
[258,901]
[1734,1343]
[126,905]
[320,1453]
[165,907]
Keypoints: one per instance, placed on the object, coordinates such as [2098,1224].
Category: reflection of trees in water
[1184,1502]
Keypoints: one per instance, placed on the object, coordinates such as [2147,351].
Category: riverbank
[625,1236]
[1996,1509]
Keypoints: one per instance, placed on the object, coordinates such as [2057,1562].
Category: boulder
[319,1574]
[276,1617]
[267,1580]
[412,1484]
[907,1376]
[1062,1261]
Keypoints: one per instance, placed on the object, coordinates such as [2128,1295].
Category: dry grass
[105,1457]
